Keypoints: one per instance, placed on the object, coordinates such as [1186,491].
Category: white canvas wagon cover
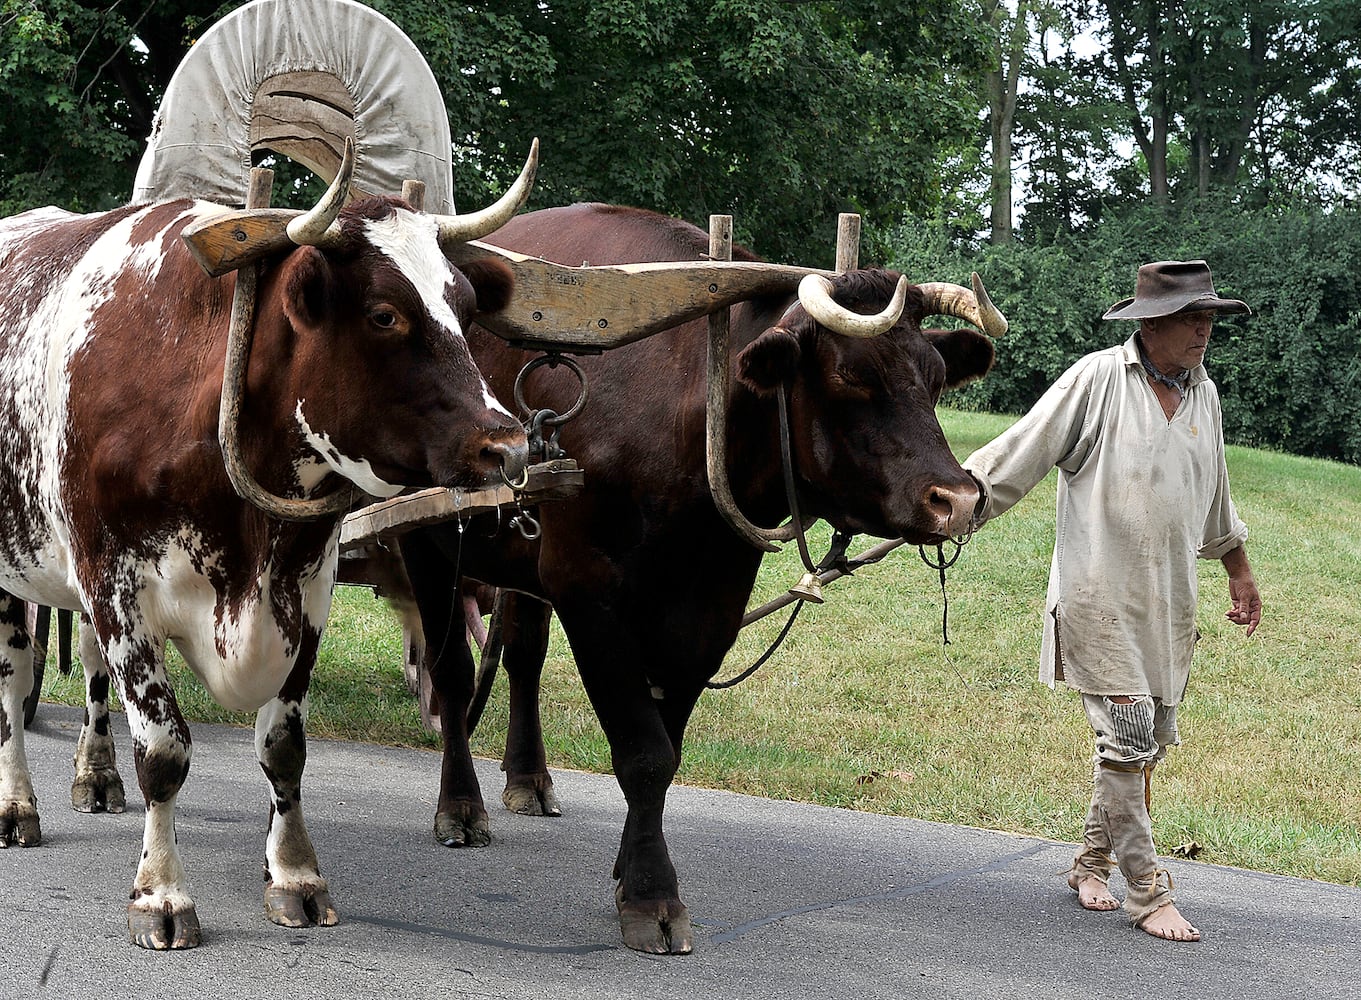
[298,77]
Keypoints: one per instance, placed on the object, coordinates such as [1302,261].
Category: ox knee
[281,749]
[645,775]
[161,770]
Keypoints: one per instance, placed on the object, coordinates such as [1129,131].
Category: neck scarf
[1175,382]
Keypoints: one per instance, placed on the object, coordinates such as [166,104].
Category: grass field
[865,708]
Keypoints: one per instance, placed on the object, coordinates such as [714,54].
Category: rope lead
[941,564]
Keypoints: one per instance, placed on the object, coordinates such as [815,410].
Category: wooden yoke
[586,310]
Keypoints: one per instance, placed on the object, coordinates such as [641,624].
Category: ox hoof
[98,790]
[300,907]
[164,928]
[19,824]
[531,796]
[655,926]
[468,828]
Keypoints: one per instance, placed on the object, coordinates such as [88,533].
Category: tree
[1234,91]
[79,95]
[781,114]
[1070,126]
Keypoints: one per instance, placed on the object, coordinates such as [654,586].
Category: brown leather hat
[1173,286]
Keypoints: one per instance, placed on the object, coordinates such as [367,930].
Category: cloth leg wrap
[1093,859]
[1131,738]
[1124,816]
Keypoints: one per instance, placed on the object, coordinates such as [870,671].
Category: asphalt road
[789,901]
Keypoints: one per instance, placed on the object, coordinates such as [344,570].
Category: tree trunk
[1152,141]
[1158,113]
[1003,81]
[1000,184]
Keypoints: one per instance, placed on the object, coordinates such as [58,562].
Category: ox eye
[388,319]
[848,384]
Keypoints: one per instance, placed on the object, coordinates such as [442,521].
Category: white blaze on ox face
[411,242]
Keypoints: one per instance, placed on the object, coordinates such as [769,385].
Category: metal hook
[529,528]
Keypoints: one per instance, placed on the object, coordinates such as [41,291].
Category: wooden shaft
[413,193]
[847,242]
[261,188]
[870,555]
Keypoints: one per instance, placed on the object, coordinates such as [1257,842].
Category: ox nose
[510,454]
[953,507]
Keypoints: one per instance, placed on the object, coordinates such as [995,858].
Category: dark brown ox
[112,345]
[649,581]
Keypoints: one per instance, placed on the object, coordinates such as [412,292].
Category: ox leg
[18,805]
[97,786]
[161,913]
[652,917]
[460,816]
[296,895]
[529,786]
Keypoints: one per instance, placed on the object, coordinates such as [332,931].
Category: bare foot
[1166,922]
[1092,893]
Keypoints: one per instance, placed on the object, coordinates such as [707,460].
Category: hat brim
[1155,308]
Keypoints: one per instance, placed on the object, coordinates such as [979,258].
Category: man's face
[1177,342]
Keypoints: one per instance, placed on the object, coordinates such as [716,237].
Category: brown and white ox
[115,499]
[649,581]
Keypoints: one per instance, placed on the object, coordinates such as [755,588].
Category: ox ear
[769,361]
[492,280]
[968,354]
[307,288]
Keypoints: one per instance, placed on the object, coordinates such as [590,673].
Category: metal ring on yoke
[552,360]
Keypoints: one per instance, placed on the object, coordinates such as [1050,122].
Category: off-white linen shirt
[1140,497]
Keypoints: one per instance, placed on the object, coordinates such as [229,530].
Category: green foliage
[779,114]
[1261,91]
[79,95]
[1289,376]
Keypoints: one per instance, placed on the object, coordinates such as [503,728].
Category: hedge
[1289,375]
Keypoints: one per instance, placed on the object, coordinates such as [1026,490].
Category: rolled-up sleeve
[1224,530]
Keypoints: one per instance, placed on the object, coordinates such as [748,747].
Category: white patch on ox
[16,788]
[160,872]
[175,599]
[291,862]
[356,470]
[411,242]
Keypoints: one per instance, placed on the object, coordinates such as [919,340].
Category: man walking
[1136,433]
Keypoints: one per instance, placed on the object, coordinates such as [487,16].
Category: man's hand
[1247,602]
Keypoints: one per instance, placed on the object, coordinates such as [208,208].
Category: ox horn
[815,295]
[317,226]
[475,225]
[945,299]
[228,242]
